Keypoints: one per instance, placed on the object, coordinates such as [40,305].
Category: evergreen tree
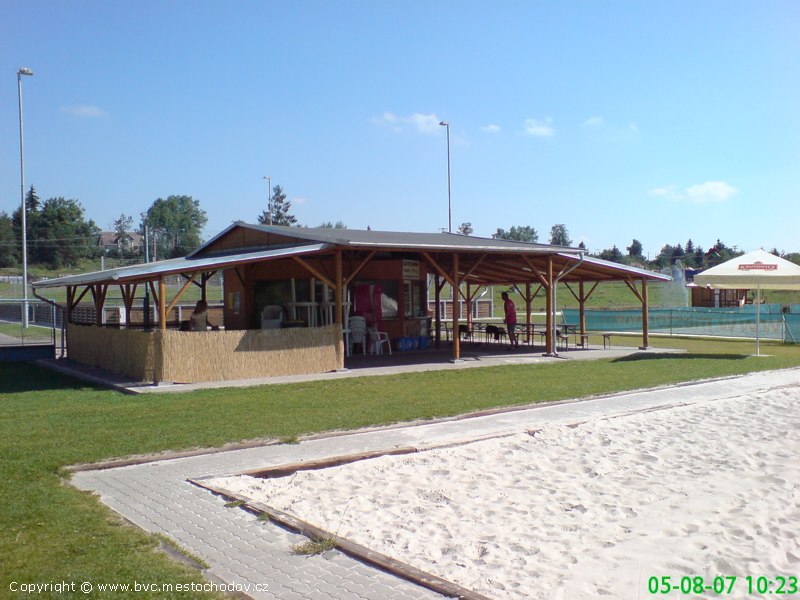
[280,210]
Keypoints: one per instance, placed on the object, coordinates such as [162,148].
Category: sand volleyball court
[586,510]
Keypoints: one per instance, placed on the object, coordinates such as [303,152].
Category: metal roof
[510,262]
[148,271]
[392,240]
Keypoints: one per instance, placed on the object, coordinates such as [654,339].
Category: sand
[583,511]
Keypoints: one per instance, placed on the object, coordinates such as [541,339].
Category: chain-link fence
[43,336]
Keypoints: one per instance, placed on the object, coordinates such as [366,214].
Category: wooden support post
[528,302]
[437,295]
[162,304]
[550,318]
[645,318]
[582,309]
[456,336]
[469,306]
[338,290]
[70,302]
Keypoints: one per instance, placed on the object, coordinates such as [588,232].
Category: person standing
[510,312]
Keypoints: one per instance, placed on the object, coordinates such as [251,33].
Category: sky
[661,121]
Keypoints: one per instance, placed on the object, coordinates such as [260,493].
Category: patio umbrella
[755,270]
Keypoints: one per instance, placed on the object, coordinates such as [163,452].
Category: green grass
[52,532]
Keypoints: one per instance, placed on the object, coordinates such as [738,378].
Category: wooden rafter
[180,293]
[536,271]
[314,271]
[632,286]
[438,268]
[354,273]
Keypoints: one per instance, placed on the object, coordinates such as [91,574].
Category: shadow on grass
[681,356]
[26,377]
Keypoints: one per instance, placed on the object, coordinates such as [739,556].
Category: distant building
[129,242]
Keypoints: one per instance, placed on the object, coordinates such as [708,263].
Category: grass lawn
[52,532]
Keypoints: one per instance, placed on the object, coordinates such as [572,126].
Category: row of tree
[60,235]
[688,255]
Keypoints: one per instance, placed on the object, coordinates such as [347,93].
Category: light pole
[23,209]
[269,197]
[449,210]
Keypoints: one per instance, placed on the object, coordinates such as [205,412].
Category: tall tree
[332,225]
[61,235]
[176,225]
[636,249]
[280,209]
[8,242]
[465,229]
[559,236]
[519,234]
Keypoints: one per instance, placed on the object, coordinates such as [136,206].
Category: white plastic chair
[271,317]
[358,333]
[379,339]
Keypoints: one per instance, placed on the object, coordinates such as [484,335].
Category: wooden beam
[632,287]
[472,269]
[162,304]
[181,292]
[550,318]
[542,278]
[456,335]
[437,267]
[338,289]
[354,273]
[437,295]
[70,302]
[83,293]
[314,271]
[645,318]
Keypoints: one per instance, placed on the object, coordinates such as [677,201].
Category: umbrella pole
[758,319]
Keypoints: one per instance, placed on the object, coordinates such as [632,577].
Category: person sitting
[199,319]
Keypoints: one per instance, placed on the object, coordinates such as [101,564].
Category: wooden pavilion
[317,277]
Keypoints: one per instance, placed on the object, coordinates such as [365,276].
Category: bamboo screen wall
[191,357]
[125,351]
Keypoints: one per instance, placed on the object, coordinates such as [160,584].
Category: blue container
[423,342]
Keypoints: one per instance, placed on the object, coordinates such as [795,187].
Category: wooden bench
[607,341]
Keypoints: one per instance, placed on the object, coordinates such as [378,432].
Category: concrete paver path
[244,551]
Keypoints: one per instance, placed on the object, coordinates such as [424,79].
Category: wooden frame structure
[337,257]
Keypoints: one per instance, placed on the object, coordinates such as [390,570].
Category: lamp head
[444,124]
[24,71]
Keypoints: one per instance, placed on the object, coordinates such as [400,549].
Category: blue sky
[660,121]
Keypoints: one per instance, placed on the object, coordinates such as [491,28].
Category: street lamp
[20,73]
[449,210]
[269,197]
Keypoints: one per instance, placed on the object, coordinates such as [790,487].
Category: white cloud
[538,128]
[594,122]
[424,123]
[702,193]
[492,128]
[711,191]
[84,110]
